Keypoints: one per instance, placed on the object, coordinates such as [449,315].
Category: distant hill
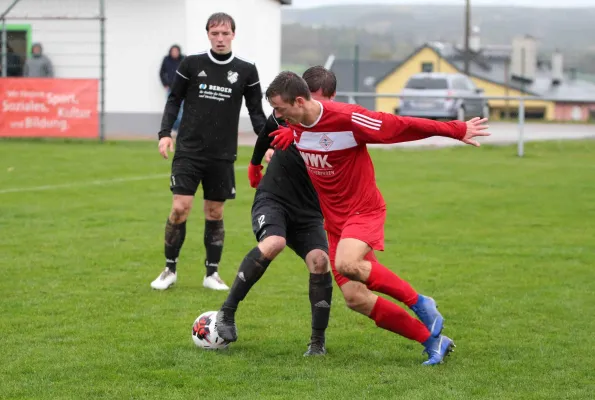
[385,31]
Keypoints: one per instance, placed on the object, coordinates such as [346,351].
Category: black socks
[213,238]
[320,293]
[251,270]
[174,239]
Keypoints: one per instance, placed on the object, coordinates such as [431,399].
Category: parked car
[442,84]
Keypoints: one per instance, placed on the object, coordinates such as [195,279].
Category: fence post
[4,51]
[102,70]
[521,144]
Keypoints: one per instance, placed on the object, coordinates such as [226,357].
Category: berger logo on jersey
[220,89]
[214,92]
[314,160]
[232,77]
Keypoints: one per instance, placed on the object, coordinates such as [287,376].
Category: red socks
[391,317]
[385,281]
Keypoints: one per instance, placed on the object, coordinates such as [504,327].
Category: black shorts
[217,177]
[303,231]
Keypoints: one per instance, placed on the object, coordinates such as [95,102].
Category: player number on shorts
[261,221]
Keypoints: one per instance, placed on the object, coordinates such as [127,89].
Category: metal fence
[522,100]
[71,33]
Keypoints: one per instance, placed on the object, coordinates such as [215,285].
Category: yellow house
[491,76]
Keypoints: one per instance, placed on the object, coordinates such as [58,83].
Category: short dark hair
[219,19]
[289,86]
[320,78]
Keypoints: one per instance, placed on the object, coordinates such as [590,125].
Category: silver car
[441,85]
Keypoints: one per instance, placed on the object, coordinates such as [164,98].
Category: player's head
[221,29]
[289,96]
[321,82]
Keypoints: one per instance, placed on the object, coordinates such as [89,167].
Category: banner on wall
[33,107]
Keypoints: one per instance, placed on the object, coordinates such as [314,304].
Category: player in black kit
[212,85]
[286,212]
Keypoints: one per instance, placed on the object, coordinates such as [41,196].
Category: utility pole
[356,69]
[467,34]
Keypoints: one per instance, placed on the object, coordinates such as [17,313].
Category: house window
[427,67]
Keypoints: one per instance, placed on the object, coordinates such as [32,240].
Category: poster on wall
[64,108]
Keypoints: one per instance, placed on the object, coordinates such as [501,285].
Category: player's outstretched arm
[378,127]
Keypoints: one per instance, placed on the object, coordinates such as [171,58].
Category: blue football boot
[437,349]
[427,311]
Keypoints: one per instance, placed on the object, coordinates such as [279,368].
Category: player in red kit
[332,138]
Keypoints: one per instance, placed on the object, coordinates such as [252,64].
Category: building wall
[492,89]
[72,45]
[139,34]
[574,111]
[395,82]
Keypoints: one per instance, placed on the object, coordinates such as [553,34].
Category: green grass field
[506,246]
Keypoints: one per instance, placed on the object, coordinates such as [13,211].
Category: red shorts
[368,228]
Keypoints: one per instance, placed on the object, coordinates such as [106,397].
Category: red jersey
[335,153]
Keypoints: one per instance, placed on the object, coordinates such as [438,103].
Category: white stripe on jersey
[243,59]
[356,119]
[178,72]
[256,83]
[365,117]
[326,141]
[365,124]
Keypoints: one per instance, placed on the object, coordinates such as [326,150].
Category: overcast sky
[533,3]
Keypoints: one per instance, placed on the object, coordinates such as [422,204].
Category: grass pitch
[505,245]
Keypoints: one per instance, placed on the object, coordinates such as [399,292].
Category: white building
[138,35]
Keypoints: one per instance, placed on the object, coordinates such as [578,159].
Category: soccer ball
[204,332]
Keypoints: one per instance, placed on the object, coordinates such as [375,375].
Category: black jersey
[212,90]
[286,176]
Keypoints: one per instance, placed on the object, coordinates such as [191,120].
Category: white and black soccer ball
[204,332]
